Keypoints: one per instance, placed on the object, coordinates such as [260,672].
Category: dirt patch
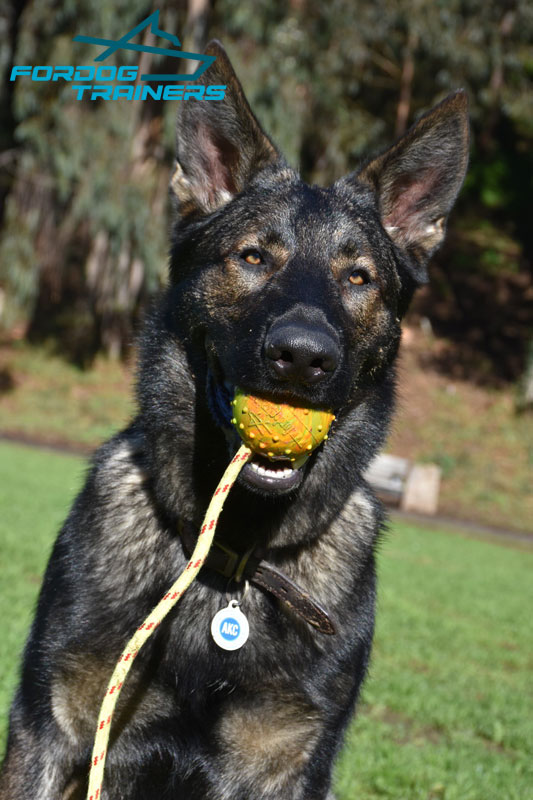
[483,447]
[407,730]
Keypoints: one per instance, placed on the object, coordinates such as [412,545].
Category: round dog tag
[229,627]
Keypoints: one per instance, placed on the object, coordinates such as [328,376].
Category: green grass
[447,712]
[36,488]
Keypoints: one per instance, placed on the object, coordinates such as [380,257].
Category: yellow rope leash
[151,622]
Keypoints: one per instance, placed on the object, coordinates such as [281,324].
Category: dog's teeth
[271,473]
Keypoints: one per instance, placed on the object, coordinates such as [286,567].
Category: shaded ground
[480,303]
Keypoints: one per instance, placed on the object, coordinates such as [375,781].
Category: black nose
[301,353]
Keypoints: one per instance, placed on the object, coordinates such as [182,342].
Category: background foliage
[84,184]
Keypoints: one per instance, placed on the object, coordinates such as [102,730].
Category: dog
[290,292]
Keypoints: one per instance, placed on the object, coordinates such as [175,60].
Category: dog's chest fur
[258,711]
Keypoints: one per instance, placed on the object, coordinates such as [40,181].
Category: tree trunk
[406,84]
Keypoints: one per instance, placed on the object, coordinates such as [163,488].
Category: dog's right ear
[417,180]
[220,145]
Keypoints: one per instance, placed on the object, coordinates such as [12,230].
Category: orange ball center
[278,430]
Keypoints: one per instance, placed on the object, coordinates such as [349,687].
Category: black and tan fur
[334,271]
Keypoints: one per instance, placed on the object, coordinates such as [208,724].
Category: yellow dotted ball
[280,429]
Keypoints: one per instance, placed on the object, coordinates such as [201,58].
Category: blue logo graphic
[124,43]
[229,629]
[121,83]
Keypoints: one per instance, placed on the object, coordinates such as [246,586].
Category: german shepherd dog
[290,292]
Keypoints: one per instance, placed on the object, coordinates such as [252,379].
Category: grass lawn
[448,710]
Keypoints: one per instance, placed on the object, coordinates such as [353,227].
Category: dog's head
[293,291]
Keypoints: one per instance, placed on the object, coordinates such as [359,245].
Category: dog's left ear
[220,144]
[417,180]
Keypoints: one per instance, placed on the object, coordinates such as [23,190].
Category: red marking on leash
[211,524]
[112,689]
[198,563]
[217,491]
[226,487]
[176,594]
[203,529]
[139,629]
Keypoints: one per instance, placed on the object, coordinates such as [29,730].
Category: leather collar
[253,567]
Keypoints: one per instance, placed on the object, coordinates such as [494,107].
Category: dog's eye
[253,257]
[359,277]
